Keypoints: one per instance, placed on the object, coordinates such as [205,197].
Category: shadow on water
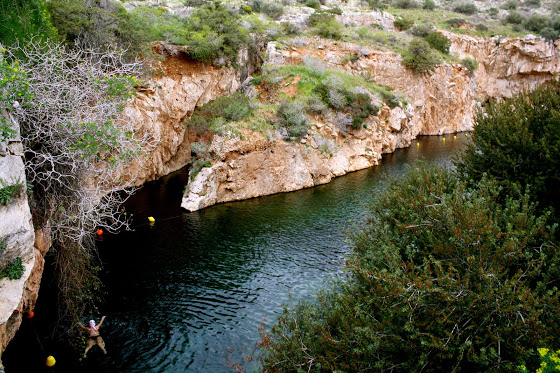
[182,291]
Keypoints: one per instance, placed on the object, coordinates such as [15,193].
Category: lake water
[183,291]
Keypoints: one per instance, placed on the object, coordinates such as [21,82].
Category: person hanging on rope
[94,336]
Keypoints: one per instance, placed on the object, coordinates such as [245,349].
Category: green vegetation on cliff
[451,270]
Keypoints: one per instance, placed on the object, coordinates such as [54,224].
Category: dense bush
[517,142]
[422,30]
[326,24]
[419,56]
[429,5]
[270,8]
[231,108]
[510,5]
[456,22]
[403,23]
[405,4]
[291,116]
[465,8]
[97,26]
[532,3]
[331,30]
[550,34]
[213,32]
[21,20]
[315,4]
[9,191]
[470,64]
[536,22]
[14,270]
[357,105]
[443,277]
[515,18]
[439,42]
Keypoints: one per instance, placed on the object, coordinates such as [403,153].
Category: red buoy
[100,232]
[30,315]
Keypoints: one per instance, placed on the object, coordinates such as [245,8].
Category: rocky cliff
[443,102]
[165,101]
[17,297]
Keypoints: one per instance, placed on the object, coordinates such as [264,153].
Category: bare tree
[77,146]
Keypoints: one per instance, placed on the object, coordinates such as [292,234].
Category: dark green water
[182,292]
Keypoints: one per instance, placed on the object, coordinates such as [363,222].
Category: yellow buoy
[417,144]
[151,219]
[443,139]
[50,361]
[454,137]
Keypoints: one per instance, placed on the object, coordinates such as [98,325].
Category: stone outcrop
[445,101]
[17,297]
[508,66]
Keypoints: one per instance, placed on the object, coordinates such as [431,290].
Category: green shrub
[456,22]
[403,24]
[419,56]
[515,18]
[532,3]
[197,166]
[517,142]
[405,4]
[422,30]
[537,22]
[21,20]
[13,270]
[470,64]
[550,34]
[232,108]
[291,116]
[429,5]
[289,28]
[9,191]
[213,32]
[320,16]
[436,281]
[465,8]
[271,9]
[330,30]
[3,246]
[510,5]
[439,42]
[157,24]
[493,12]
[357,105]
[481,27]
[98,26]
[376,4]
[315,4]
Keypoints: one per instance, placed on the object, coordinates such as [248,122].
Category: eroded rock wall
[168,99]
[445,101]
[17,297]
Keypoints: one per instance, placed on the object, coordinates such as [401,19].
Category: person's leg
[90,343]
[101,344]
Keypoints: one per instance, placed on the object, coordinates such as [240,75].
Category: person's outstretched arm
[81,326]
[101,322]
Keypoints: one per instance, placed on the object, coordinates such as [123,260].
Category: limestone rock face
[166,101]
[442,102]
[16,230]
[263,165]
[508,66]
